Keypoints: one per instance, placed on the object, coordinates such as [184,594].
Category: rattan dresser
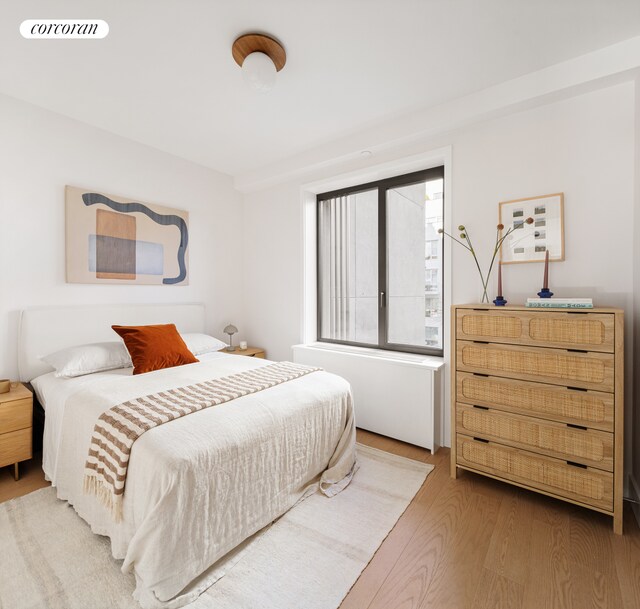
[537,400]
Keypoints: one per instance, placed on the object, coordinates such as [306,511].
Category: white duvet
[198,486]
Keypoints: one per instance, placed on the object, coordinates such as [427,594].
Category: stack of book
[560,303]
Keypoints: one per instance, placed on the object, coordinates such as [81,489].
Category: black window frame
[382,186]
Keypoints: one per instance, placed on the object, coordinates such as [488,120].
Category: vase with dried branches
[465,241]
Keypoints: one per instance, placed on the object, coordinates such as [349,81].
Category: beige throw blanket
[120,426]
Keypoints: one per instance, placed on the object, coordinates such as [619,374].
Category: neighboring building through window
[380,263]
[433,249]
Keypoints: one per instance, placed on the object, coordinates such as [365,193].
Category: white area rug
[308,559]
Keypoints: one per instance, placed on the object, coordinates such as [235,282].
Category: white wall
[40,152]
[582,146]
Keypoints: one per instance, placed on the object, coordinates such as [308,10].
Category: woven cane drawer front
[585,485]
[585,331]
[592,409]
[586,446]
[556,366]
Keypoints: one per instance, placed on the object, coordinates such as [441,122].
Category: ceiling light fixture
[260,58]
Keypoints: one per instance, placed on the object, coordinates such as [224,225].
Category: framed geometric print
[112,239]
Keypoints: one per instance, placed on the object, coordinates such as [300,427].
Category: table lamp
[230,330]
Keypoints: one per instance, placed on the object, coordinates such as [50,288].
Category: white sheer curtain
[334,218]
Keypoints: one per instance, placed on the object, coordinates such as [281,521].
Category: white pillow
[202,343]
[87,359]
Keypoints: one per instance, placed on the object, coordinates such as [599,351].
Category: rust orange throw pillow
[154,347]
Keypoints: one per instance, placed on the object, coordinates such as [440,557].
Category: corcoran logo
[64,28]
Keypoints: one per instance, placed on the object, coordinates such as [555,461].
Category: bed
[200,485]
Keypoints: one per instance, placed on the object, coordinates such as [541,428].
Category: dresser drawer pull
[574,464]
[577,351]
[480,374]
[574,426]
[577,388]
[481,407]
[481,342]
[481,440]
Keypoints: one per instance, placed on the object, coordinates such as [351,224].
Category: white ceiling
[165,76]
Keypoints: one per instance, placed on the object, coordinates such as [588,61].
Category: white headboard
[44,330]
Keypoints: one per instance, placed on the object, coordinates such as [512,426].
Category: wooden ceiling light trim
[251,43]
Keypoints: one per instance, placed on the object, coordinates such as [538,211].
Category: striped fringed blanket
[120,426]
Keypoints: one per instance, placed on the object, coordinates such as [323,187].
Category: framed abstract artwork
[529,242]
[113,239]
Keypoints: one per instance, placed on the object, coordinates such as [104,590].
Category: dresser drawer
[15,415]
[592,409]
[576,330]
[556,366]
[584,485]
[15,446]
[586,446]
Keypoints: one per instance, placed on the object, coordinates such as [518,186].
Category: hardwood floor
[31,479]
[475,543]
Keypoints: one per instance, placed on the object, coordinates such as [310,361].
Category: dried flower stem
[499,242]
[456,240]
[482,279]
[469,246]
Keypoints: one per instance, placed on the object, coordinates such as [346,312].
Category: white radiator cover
[395,395]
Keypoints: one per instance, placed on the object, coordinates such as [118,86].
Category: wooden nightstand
[248,352]
[16,421]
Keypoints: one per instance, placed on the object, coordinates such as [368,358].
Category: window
[380,263]
[431,280]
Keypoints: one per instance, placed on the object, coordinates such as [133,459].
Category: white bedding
[200,485]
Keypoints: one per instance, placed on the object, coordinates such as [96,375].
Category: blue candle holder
[499,301]
[545,293]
